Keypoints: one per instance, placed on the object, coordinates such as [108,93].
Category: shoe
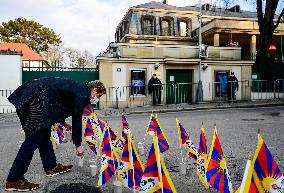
[21,186]
[58,169]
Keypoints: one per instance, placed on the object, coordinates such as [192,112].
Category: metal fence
[5,105]
[180,93]
[185,93]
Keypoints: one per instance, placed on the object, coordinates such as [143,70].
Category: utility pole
[200,87]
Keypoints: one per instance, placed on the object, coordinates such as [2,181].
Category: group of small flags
[262,173]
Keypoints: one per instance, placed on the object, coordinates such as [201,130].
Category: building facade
[31,60]
[158,37]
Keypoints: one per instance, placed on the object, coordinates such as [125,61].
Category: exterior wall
[10,79]
[208,79]
[33,64]
[246,77]
[177,51]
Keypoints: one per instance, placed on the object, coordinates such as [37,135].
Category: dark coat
[232,84]
[154,84]
[41,103]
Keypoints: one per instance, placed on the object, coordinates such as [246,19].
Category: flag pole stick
[245,174]
[133,170]
[159,164]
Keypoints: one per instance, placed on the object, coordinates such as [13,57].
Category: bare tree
[267,25]
[80,59]
[53,55]
[268,21]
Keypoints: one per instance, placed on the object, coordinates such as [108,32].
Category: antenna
[108,29]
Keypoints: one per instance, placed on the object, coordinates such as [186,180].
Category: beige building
[160,37]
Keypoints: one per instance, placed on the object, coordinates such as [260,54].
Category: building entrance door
[179,86]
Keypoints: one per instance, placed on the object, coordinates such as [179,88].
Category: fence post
[116,98]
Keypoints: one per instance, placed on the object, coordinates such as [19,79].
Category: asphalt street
[237,131]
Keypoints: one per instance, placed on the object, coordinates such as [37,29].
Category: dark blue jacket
[41,103]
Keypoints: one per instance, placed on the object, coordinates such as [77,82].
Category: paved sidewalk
[189,107]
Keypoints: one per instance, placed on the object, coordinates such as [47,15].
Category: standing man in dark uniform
[232,86]
[155,87]
[39,104]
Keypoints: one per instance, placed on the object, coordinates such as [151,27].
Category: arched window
[148,25]
[166,26]
[184,27]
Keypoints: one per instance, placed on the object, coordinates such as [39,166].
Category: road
[237,131]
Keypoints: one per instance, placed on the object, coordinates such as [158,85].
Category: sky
[82,24]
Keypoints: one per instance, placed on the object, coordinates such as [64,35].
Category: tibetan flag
[57,134]
[202,159]
[117,141]
[92,137]
[248,184]
[266,173]
[155,128]
[151,177]
[216,169]
[202,143]
[130,163]
[109,162]
[125,127]
[156,178]
[182,133]
[168,186]
[185,140]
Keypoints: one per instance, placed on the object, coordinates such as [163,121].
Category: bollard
[182,168]
[117,186]
[80,161]
[141,148]
[93,169]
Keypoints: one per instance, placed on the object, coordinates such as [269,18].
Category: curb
[203,108]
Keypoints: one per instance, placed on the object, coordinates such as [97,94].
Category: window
[125,25]
[221,83]
[183,28]
[138,82]
[147,25]
[166,28]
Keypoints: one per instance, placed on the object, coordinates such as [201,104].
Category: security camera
[156,65]
[204,66]
[117,54]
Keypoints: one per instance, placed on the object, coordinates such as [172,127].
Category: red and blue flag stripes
[216,170]
[130,163]
[89,137]
[182,132]
[60,133]
[125,127]
[265,168]
[154,127]
[88,110]
[109,160]
[202,142]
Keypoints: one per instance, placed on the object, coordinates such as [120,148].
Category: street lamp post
[199,87]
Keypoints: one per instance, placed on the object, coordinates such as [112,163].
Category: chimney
[170,2]
[236,9]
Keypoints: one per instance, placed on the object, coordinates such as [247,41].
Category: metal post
[199,87]
[116,98]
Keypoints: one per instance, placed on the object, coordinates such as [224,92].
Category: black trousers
[41,141]
[156,94]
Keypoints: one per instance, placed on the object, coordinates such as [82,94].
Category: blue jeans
[40,140]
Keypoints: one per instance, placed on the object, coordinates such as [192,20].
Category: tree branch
[279,19]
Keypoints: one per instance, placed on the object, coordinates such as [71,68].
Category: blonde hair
[98,85]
